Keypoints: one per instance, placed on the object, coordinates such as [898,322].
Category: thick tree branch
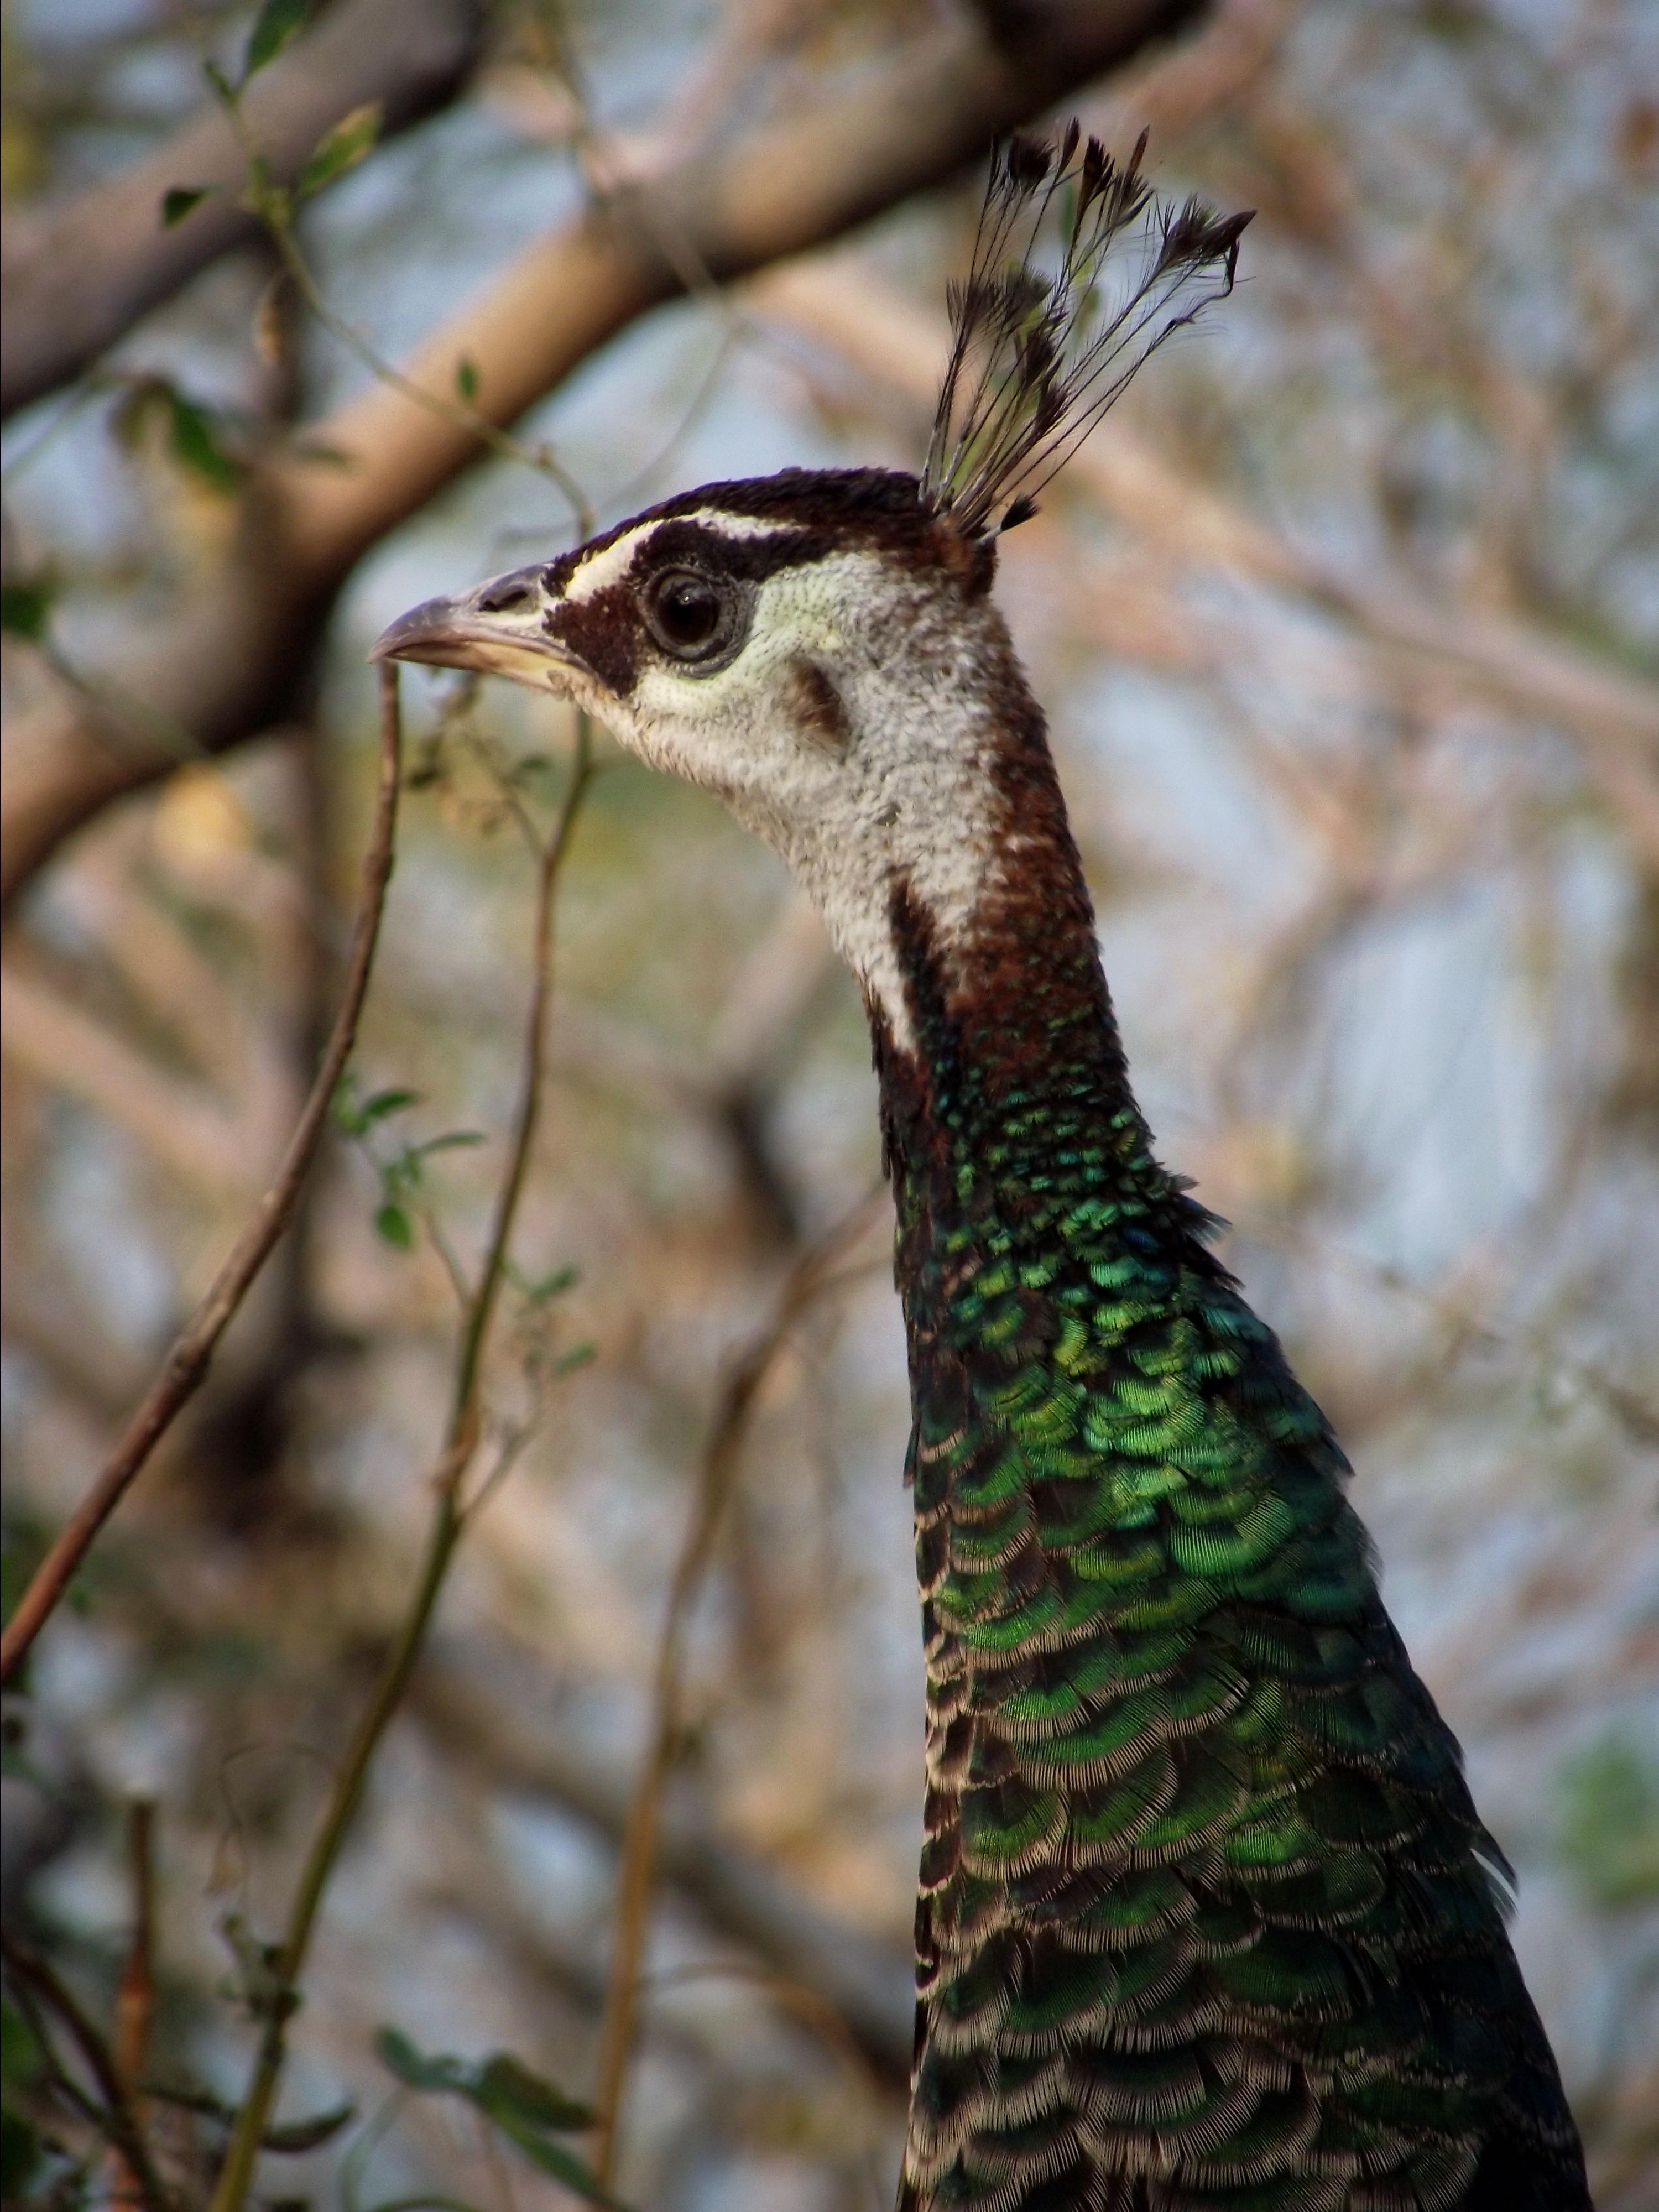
[1614,716]
[79,275]
[221,669]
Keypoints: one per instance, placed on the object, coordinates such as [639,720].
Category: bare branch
[134,1998]
[224,666]
[61,1043]
[36,1976]
[79,275]
[451,1513]
[811,1274]
[1613,715]
[870,1984]
[187,1363]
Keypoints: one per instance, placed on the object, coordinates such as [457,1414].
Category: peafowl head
[820,648]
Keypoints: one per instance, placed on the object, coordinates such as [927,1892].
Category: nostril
[504,600]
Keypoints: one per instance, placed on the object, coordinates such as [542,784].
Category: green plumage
[1208,1918]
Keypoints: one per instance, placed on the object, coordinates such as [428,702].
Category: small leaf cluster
[25,607]
[23,2151]
[197,436]
[341,147]
[521,2105]
[403,1173]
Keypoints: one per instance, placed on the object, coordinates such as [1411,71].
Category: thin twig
[450,1519]
[813,1272]
[187,1365]
[275,212]
[134,1998]
[530,1102]
[818,2014]
[34,1974]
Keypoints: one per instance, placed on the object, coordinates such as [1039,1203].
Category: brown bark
[1613,713]
[77,275]
[868,140]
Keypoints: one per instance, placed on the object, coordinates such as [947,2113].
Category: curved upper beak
[499,629]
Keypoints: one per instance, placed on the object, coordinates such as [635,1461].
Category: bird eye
[689,614]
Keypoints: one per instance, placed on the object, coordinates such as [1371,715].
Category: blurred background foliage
[1347,626]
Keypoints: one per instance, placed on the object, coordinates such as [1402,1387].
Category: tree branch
[35,1975]
[450,1517]
[1614,716]
[187,1363]
[811,1275]
[223,666]
[871,1984]
[78,276]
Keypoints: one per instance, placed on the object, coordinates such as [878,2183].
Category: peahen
[1206,1917]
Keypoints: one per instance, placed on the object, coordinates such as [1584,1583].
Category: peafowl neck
[1207,1920]
[1009,1126]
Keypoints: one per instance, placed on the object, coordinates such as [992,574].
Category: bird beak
[498,629]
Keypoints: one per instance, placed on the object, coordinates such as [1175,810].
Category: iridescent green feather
[1207,1912]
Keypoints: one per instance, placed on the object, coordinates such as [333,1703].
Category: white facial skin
[852,730]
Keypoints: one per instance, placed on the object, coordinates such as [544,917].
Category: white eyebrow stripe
[740,526]
[608,566]
[611,562]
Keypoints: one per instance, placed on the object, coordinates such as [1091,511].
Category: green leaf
[20,2156]
[452,1140]
[340,149]
[388,1102]
[393,1225]
[177,201]
[20,2053]
[25,607]
[466,378]
[195,441]
[292,2135]
[578,1356]
[276,23]
[271,203]
[552,2158]
[224,90]
[508,2090]
[423,2202]
[295,2135]
[443,2072]
[348,1115]
[523,2106]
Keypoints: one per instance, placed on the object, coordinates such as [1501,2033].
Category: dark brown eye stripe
[605,633]
[684,544]
[819,512]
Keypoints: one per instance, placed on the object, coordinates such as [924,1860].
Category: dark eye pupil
[688,611]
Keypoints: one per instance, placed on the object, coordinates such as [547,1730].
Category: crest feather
[1038,352]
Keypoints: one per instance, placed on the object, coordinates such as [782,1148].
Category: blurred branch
[187,1363]
[80,274]
[811,1276]
[1614,716]
[134,1998]
[63,1044]
[451,1515]
[34,1975]
[222,667]
[870,1983]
